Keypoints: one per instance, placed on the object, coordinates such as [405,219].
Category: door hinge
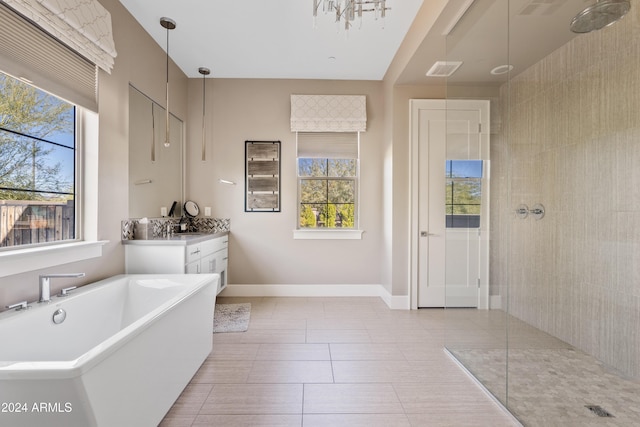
[479,127]
[478,282]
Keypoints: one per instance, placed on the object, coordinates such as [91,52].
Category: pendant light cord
[204,146]
[168,24]
[205,72]
[167,141]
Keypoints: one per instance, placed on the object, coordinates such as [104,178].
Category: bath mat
[231,317]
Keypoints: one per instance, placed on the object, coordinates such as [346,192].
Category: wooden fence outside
[24,222]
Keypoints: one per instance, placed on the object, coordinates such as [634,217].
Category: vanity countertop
[177,239]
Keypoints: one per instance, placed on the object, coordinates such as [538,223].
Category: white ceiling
[492,33]
[277,38]
[274,39]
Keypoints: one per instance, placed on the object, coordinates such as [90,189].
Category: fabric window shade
[27,52]
[328,113]
[328,145]
[83,25]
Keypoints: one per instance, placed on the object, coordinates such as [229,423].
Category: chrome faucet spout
[45,284]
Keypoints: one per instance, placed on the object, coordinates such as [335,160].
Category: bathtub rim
[67,369]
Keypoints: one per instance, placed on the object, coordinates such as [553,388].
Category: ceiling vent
[443,68]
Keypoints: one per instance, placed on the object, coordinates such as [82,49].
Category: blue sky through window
[58,140]
[464,168]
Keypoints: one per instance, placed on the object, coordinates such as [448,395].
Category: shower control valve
[522,211]
[537,211]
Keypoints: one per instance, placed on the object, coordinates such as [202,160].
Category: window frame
[314,233]
[61,71]
[76,117]
[452,218]
[26,258]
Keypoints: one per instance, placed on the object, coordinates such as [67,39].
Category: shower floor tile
[553,386]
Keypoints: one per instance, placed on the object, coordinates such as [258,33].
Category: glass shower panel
[477,337]
[565,123]
[571,299]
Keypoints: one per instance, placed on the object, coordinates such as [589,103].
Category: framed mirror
[191,209]
[155,171]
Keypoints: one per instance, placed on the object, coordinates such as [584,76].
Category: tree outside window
[327,192]
[37,165]
[463,193]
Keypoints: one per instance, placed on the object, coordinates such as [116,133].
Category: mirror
[191,209]
[155,171]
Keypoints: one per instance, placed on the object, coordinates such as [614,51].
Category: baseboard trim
[301,291]
[394,302]
[273,290]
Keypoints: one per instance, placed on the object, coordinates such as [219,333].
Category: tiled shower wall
[571,138]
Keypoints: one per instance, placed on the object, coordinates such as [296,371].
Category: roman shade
[30,54]
[83,25]
[328,145]
[328,113]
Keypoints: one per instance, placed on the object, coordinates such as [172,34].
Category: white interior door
[450,153]
[431,220]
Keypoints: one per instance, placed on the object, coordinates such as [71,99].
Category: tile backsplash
[158,226]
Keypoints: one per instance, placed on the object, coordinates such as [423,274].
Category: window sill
[327,234]
[24,260]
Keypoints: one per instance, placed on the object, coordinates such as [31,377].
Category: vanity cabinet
[191,254]
[206,257]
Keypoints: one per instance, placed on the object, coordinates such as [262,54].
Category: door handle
[426,234]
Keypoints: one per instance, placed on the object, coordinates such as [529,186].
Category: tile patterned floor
[335,362]
[550,383]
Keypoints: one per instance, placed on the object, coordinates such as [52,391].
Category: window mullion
[319,158]
[326,188]
[38,192]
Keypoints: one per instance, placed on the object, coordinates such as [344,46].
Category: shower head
[599,15]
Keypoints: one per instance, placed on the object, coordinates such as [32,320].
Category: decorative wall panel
[262,178]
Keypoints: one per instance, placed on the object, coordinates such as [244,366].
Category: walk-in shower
[599,15]
[564,290]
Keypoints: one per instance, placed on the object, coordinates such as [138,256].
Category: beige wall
[140,61]
[574,147]
[262,248]
[401,187]
[394,264]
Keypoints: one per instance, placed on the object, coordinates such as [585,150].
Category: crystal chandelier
[348,10]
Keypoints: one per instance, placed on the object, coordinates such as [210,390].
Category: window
[46,230]
[37,165]
[328,180]
[463,193]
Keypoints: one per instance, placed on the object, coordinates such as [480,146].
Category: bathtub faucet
[45,284]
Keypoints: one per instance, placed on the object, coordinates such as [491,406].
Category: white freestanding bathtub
[125,351]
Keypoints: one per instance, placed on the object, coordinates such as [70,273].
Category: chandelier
[348,10]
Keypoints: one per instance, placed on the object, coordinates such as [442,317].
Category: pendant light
[169,24]
[205,72]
